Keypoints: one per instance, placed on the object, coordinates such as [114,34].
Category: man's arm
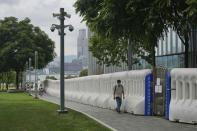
[123,91]
[114,91]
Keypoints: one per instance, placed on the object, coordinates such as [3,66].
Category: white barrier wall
[183,104]
[97,90]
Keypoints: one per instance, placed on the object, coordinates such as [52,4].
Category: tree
[70,77]
[51,77]
[107,50]
[7,78]
[18,42]
[83,72]
[125,19]
[110,51]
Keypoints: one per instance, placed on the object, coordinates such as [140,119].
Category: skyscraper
[82,47]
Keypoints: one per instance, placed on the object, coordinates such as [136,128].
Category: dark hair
[118,81]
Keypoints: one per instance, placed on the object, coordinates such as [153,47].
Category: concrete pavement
[124,121]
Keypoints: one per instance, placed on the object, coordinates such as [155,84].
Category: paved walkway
[125,121]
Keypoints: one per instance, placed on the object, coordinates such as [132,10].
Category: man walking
[118,93]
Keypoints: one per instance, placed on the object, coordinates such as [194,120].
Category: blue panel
[168,94]
[148,95]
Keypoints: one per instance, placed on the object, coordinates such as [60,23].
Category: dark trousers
[118,102]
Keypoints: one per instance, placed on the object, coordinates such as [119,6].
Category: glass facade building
[193,49]
[170,51]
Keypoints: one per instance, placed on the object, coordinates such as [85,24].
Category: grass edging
[97,120]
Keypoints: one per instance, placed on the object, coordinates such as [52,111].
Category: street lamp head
[71,28]
[52,28]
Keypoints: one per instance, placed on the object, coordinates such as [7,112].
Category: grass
[20,112]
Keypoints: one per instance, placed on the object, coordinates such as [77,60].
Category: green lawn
[20,112]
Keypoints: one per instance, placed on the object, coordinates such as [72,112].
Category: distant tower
[82,47]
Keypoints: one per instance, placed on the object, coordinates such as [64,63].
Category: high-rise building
[82,47]
[93,67]
[170,51]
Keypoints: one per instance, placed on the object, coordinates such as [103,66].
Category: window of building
[169,62]
[165,61]
[175,61]
[159,47]
[156,51]
[169,43]
[174,45]
[179,45]
[164,44]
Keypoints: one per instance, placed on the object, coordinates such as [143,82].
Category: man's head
[119,81]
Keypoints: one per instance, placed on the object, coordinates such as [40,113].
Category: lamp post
[35,69]
[29,70]
[30,76]
[61,16]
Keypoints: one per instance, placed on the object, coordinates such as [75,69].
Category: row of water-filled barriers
[97,90]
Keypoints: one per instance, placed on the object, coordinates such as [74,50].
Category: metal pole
[25,74]
[62,109]
[60,28]
[29,69]
[36,84]
[30,76]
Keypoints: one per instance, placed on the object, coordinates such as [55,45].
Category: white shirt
[118,90]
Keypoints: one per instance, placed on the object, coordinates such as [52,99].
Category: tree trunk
[130,55]
[21,79]
[6,86]
[0,80]
[186,53]
[17,80]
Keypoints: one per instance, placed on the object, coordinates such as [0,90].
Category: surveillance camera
[55,15]
[71,28]
[68,15]
[52,28]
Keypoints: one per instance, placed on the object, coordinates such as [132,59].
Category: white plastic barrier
[97,90]
[183,104]
[52,87]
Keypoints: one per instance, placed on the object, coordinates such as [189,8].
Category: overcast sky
[40,13]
